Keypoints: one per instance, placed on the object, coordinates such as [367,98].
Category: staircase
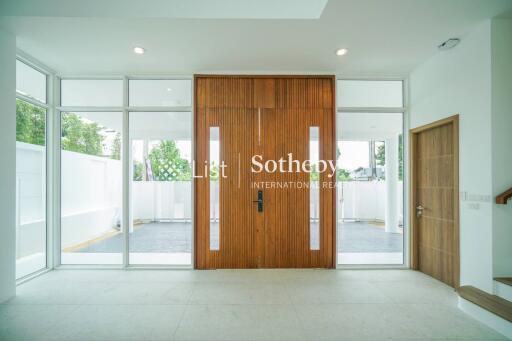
[503,287]
[494,310]
[492,303]
[503,197]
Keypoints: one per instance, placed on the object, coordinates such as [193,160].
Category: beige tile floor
[237,305]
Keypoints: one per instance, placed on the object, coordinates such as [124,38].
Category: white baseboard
[493,321]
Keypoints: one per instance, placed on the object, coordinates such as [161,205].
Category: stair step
[492,303]
[504,280]
[503,288]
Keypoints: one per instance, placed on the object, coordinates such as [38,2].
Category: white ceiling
[178,9]
[384,37]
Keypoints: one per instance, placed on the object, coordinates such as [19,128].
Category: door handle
[419,211]
[259,201]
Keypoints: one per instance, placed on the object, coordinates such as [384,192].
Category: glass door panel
[91,188]
[160,232]
[30,188]
[370,188]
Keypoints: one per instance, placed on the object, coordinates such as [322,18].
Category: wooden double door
[262,212]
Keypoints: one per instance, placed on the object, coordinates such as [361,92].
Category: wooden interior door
[434,200]
[270,117]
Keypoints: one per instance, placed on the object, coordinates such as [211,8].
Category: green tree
[343,175]
[167,163]
[116,147]
[381,156]
[79,136]
[314,175]
[138,169]
[30,123]
[214,172]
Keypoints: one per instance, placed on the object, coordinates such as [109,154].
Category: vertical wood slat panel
[289,106]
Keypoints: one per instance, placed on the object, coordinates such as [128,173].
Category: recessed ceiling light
[341,52]
[139,50]
[169,89]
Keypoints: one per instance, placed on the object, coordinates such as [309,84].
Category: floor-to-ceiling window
[91,171]
[370,226]
[31,137]
[158,230]
[159,225]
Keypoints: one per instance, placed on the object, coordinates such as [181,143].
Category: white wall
[366,200]
[91,188]
[154,200]
[458,81]
[501,143]
[8,169]
[30,200]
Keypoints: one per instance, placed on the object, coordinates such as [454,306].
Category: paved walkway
[176,237]
[366,237]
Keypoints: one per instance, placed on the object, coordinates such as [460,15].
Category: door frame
[413,239]
[333,78]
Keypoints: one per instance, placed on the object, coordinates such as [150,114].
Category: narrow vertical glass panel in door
[314,189]
[214,177]
[91,188]
[30,188]
[370,188]
[160,231]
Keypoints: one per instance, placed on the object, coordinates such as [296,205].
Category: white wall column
[391,217]
[8,169]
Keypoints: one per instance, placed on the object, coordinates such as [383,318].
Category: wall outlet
[466,196]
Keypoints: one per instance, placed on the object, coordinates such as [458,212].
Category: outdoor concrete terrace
[176,237]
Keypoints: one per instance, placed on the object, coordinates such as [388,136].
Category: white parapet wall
[91,188]
[92,199]
[365,200]
[155,200]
